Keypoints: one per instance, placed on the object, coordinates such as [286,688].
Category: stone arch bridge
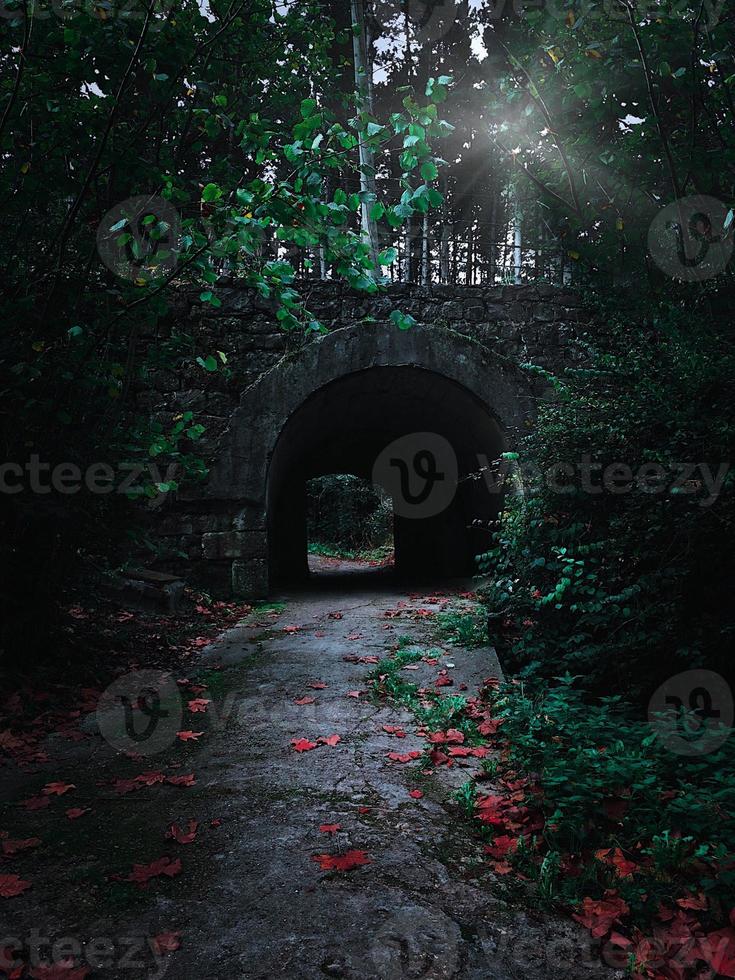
[285,410]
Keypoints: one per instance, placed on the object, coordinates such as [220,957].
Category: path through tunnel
[411,430]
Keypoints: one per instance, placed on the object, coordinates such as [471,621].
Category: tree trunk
[363,86]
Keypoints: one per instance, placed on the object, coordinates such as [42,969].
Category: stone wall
[215,533]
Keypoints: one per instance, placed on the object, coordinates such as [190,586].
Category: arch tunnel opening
[416,433]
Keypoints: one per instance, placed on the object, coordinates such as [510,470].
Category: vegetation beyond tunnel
[347,425]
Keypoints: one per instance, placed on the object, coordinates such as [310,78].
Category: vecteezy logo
[430,19]
[692,239]
[140,712]
[419,471]
[139,238]
[692,712]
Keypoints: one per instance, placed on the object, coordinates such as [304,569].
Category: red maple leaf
[403,757]
[717,949]
[598,915]
[416,794]
[57,789]
[330,739]
[36,803]
[187,780]
[198,705]
[697,902]
[364,809]
[394,730]
[150,778]
[490,726]
[317,685]
[501,846]
[354,694]
[335,615]
[175,832]
[623,867]
[341,862]
[330,828]
[12,885]
[188,736]
[305,700]
[303,744]
[74,812]
[166,942]
[11,847]
[142,873]
[291,629]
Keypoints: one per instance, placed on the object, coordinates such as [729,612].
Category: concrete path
[251,901]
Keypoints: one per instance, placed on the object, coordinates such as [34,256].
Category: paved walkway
[250,900]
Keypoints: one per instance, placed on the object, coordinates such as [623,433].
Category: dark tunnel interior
[345,426]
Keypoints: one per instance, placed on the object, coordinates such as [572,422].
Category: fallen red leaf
[74,812]
[187,780]
[57,789]
[188,736]
[317,685]
[330,828]
[142,873]
[150,778]
[167,942]
[697,902]
[330,740]
[11,847]
[341,862]
[175,832]
[354,694]
[416,794]
[717,949]
[303,744]
[305,700]
[12,885]
[403,757]
[598,915]
[36,803]
[198,705]
[615,858]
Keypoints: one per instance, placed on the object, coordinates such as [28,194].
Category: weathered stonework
[471,338]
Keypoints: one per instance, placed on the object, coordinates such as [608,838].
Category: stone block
[233,544]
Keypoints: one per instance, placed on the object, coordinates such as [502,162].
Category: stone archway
[334,403]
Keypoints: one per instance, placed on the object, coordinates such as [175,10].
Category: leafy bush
[604,778]
[625,587]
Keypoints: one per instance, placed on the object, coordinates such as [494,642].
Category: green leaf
[429,170]
[404,321]
[209,363]
[211,193]
[308,108]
